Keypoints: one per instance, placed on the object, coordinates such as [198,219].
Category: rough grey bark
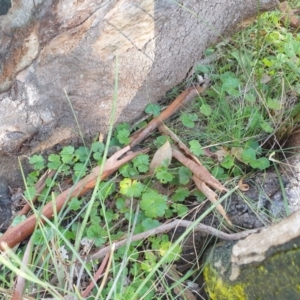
[52,46]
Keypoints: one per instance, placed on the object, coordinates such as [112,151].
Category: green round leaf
[228,162]
[206,110]
[152,109]
[153,204]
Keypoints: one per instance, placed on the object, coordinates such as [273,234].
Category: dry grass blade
[107,268]
[211,196]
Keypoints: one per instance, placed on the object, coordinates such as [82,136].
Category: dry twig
[20,286]
[167,131]
[199,171]
[166,227]
[211,196]
[99,272]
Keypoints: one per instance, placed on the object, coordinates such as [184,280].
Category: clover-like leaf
[152,109]
[80,169]
[96,233]
[180,209]
[188,120]
[97,147]
[206,110]
[266,127]
[228,162]
[82,154]
[128,170]
[149,223]
[54,162]
[67,154]
[164,250]
[248,155]
[274,104]
[123,136]
[153,204]
[195,147]
[262,163]
[141,162]
[163,175]
[131,188]
[180,194]
[74,204]
[185,175]
[37,161]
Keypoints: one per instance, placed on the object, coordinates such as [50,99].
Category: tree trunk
[53,48]
[264,265]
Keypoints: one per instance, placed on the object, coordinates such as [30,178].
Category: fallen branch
[180,100]
[166,227]
[167,131]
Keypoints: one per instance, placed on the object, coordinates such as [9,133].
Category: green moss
[275,278]
[219,290]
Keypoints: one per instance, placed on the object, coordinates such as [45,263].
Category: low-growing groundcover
[248,112]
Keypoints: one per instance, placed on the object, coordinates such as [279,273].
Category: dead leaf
[265,79]
[163,154]
[211,196]
[167,191]
[101,137]
[220,154]
[236,152]
[243,186]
